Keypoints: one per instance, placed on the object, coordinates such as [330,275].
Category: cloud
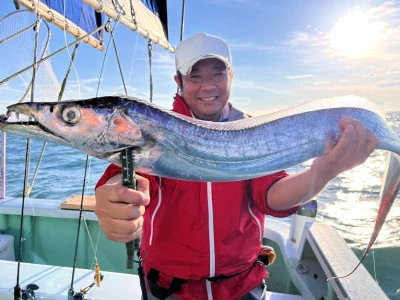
[163,64]
[249,84]
[250,45]
[375,76]
[315,46]
[389,84]
[299,76]
[235,2]
[318,83]
[241,101]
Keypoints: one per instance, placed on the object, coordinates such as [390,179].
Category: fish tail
[389,190]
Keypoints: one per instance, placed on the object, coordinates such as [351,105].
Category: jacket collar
[179,105]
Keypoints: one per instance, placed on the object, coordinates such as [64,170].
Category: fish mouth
[19,125]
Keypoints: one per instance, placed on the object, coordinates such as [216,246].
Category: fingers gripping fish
[168,144]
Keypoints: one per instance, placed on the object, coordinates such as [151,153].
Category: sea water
[349,203]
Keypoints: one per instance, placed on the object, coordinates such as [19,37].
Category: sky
[284,53]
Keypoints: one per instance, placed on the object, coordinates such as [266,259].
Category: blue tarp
[88,19]
[79,13]
[159,7]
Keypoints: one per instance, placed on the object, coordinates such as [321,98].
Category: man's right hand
[120,210]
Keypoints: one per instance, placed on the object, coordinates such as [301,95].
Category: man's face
[207,88]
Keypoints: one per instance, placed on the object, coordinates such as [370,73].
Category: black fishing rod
[29,293]
[71,293]
[19,293]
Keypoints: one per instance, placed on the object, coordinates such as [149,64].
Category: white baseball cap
[198,47]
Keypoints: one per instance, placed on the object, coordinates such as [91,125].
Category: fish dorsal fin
[316,105]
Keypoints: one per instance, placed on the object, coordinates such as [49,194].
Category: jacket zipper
[211,238]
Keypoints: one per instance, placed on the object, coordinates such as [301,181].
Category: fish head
[79,124]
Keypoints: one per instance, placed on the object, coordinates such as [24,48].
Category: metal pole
[182,19]
[3,165]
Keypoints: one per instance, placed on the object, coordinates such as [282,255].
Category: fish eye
[71,114]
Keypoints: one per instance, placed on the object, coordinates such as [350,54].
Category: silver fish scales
[168,144]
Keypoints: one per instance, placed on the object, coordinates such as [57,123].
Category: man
[201,240]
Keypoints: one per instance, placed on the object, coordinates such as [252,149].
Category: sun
[356,35]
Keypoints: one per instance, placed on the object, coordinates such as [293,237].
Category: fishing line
[91,241]
[373,261]
[30,227]
[30,187]
[133,59]
[356,267]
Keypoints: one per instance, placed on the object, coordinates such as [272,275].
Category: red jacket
[195,230]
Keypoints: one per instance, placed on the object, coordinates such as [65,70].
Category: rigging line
[34,70]
[71,59]
[118,61]
[115,45]
[63,84]
[41,56]
[150,48]
[52,54]
[105,57]
[182,27]
[31,87]
[30,187]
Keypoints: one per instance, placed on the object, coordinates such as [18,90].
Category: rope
[71,61]
[118,61]
[105,55]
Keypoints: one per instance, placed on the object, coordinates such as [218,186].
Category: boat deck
[54,283]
